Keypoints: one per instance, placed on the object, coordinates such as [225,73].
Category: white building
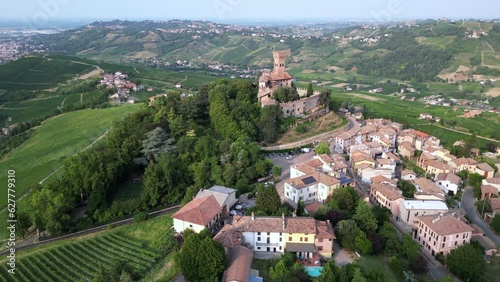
[310,188]
[448,182]
[197,215]
[409,210]
[226,197]
[367,173]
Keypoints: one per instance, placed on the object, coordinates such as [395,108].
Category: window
[444,239]
[456,242]
[258,233]
[258,238]
[320,248]
[306,239]
[320,240]
[190,225]
[258,248]
[442,246]
[289,238]
[281,248]
[268,233]
[457,236]
[281,239]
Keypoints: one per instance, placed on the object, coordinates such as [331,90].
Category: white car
[289,157]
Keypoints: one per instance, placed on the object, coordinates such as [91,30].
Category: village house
[343,141]
[239,264]
[488,192]
[406,150]
[434,167]
[409,210]
[359,158]
[367,173]
[494,181]
[198,214]
[387,195]
[440,234]
[482,169]
[310,187]
[408,175]
[306,237]
[427,190]
[226,197]
[449,182]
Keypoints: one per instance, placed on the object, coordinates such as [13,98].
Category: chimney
[253,216]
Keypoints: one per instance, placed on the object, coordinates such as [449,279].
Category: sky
[231,10]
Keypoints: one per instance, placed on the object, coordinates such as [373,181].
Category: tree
[390,235]
[344,198]
[268,200]
[310,90]
[330,272]
[270,123]
[362,243]
[409,247]
[156,143]
[358,276]
[279,273]
[277,171]
[491,147]
[365,218]
[407,187]
[495,223]
[347,231]
[323,148]
[201,258]
[467,263]
[419,265]
[163,182]
[382,214]
[324,98]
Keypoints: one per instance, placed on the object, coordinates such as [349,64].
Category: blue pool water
[313,271]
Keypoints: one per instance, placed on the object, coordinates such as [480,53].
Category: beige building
[440,234]
[409,210]
[387,195]
[406,150]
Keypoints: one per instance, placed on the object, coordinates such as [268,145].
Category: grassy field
[27,110]
[327,123]
[37,72]
[381,264]
[79,258]
[52,142]
[441,41]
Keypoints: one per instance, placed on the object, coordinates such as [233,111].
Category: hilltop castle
[271,81]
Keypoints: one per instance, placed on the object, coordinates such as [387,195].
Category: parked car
[289,157]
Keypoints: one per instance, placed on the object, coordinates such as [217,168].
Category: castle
[277,78]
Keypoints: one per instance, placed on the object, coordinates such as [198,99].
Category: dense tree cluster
[467,262]
[286,94]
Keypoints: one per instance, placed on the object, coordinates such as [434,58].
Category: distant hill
[416,51]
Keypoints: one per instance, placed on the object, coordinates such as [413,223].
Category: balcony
[265,244]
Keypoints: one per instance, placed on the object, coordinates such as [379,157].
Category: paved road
[29,243]
[468,206]
[323,136]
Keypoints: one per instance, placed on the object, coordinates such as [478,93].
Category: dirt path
[136,70]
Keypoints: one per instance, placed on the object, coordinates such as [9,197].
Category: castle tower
[280,61]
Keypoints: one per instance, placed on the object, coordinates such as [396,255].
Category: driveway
[470,209]
[342,256]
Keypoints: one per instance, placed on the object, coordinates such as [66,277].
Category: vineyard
[80,261]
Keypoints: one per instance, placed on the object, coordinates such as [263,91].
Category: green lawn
[379,263]
[52,142]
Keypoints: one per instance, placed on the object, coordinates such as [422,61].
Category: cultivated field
[81,260]
[56,139]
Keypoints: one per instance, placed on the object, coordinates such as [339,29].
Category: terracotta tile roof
[386,141]
[367,129]
[493,180]
[238,264]
[455,179]
[471,161]
[312,208]
[421,134]
[460,161]
[393,157]
[275,224]
[445,225]
[495,204]
[384,162]
[359,157]
[339,162]
[363,166]
[489,189]
[199,211]
[381,179]
[346,135]
[485,167]
[427,186]
[437,165]
[314,163]
[325,158]
[408,146]
[389,191]
[324,230]
[304,168]
[311,179]
[229,237]
[426,156]
[407,172]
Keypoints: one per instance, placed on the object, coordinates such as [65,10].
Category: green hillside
[52,142]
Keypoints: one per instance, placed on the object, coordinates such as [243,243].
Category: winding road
[468,206]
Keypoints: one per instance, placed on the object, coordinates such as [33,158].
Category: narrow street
[470,209]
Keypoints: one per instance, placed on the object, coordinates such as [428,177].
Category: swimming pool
[313,271]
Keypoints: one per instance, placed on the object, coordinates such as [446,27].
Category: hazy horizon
[42,12]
